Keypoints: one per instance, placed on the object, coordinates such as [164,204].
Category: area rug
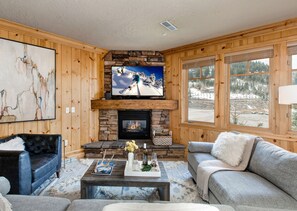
[182,187]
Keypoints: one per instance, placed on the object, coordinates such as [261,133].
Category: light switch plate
[73,109]
[67,110]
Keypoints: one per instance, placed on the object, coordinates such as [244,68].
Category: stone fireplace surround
[108,123]
[108,119]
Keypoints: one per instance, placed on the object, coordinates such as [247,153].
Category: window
[200,90]
[249,88]
[292,52]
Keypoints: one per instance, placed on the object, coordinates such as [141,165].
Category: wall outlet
[65,142]
[67,110]
[73,109]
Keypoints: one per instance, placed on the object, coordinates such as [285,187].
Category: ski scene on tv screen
[146,81]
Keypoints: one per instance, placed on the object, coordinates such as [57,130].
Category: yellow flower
[131,146]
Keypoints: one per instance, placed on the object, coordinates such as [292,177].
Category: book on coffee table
[103,168]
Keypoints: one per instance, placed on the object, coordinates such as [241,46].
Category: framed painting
[27,82]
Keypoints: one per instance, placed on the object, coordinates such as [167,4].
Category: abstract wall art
[27,82]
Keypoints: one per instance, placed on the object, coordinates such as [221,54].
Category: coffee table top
[117,177]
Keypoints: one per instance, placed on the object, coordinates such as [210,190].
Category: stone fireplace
[110,109]
[134,124]
[109,118]
[109,123]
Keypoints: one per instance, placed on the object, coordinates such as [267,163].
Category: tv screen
[138,81]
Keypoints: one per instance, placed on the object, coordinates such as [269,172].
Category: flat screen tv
[137,81]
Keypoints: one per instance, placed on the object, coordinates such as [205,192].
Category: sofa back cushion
[39,144]
[276,165]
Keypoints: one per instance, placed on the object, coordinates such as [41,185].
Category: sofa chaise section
[269,180]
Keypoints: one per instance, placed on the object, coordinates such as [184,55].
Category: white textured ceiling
[134,24]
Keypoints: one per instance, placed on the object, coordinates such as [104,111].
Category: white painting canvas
[27,82]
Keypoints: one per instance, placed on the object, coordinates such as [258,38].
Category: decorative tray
[154,172]
[103,168]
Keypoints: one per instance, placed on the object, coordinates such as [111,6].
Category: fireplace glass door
[134,124]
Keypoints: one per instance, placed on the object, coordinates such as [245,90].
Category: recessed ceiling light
[169,26]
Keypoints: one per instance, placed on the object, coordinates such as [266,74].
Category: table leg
[83,191]
[87,191]
[164,192]
[91,192]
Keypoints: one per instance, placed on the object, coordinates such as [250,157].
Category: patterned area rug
[182,187]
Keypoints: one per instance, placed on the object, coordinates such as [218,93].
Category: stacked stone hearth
[116,149]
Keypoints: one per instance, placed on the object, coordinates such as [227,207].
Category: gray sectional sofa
[270,180]
[42,203]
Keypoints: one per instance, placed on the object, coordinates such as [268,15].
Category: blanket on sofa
[206,168]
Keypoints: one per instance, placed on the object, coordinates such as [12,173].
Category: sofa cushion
[99,204]
[43,163]
[195,158]
[95,204]
[276,165]
[132,206]
[246,188]
[250,208]
[40,203]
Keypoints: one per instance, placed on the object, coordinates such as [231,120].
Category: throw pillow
[229,147]
[14,144]
[4,186]
[4,204]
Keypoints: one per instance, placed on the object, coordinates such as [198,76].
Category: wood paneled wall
[79,78]
[276,35]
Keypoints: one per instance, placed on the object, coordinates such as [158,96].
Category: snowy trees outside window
[249,88]
[201,95]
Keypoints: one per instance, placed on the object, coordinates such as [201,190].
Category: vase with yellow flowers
[131,146]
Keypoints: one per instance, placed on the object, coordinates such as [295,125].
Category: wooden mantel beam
[134,104]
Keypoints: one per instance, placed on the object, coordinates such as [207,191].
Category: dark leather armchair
[27,170]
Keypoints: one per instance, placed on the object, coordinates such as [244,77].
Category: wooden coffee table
[89,181]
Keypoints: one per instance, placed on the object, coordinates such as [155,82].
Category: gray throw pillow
[4,186]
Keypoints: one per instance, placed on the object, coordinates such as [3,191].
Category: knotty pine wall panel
[276,35]
[77,82]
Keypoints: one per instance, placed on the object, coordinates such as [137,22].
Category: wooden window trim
[268,52]
[248,56]
[292,50]
[186,65]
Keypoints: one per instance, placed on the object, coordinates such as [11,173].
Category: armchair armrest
[205,147]
[16,167]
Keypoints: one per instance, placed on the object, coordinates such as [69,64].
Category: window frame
[291,70]
[184,90]
[227,70]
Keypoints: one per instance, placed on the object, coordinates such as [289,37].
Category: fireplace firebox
[134,124]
